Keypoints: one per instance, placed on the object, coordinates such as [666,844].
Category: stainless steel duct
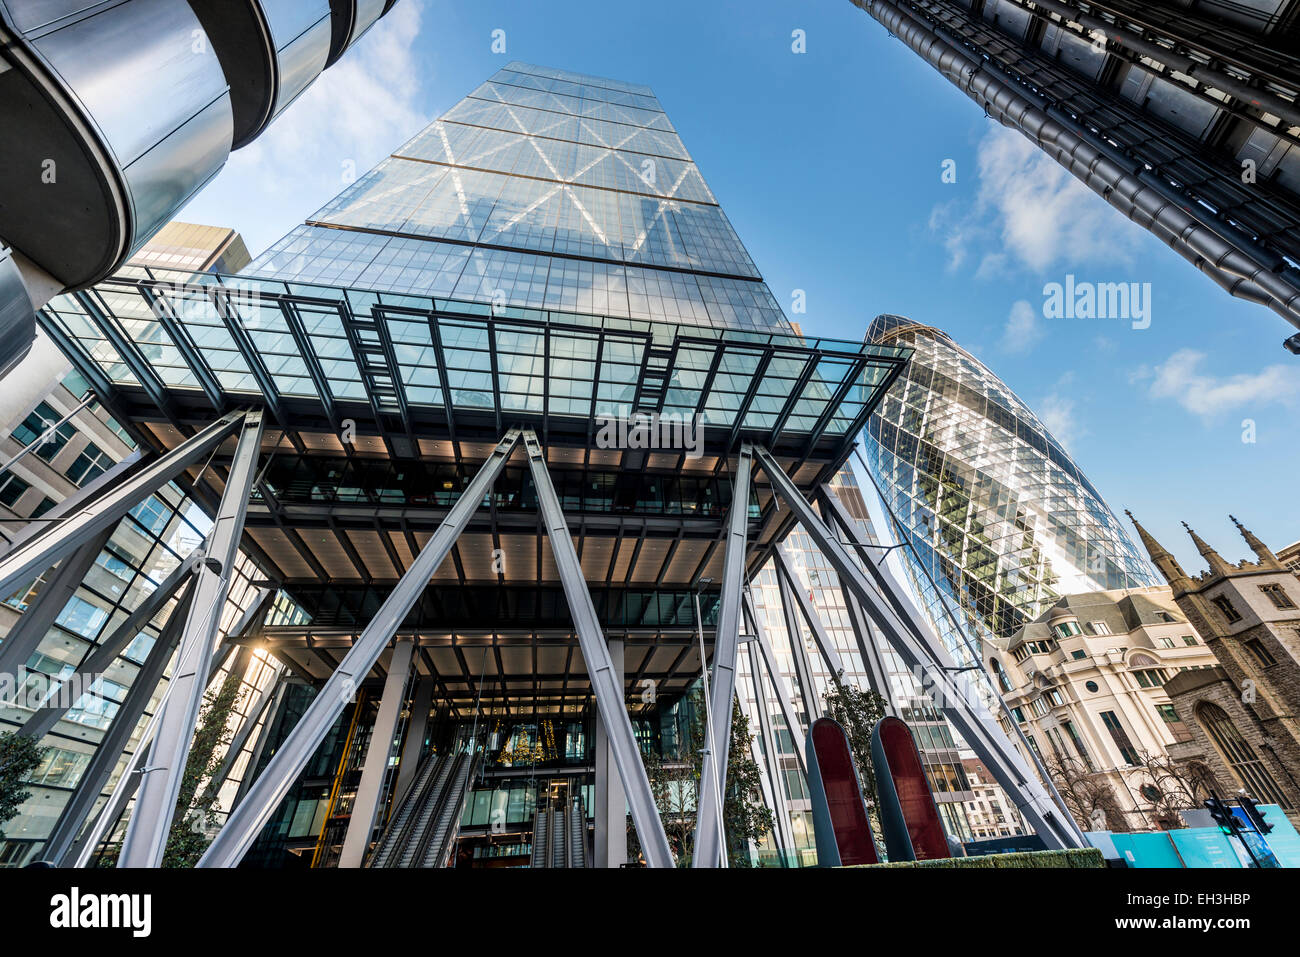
[1232,260]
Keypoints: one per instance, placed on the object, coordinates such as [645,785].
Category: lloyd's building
[490,614]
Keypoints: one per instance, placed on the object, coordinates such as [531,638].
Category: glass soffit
[243,335]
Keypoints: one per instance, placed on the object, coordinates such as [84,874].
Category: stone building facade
[1086,682]
[1244,715]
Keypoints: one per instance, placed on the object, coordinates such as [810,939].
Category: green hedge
[1086,857]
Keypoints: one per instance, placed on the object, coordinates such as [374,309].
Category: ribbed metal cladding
[1235,260]
[115,115]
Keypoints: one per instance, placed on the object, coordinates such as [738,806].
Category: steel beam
[87,493]
[361,823]
[256,709]
[606,686]
[146,836]
[107,651]
[726,640]
[265,795]
[830,657]
[81,851]
[812,704]
[902,626]
[26,634]
[611,802]
[23,562]
[413,747]
[784,697]
[873,661]
[772,762]
[115,740]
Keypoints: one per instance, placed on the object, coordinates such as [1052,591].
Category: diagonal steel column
[784,697]
[413,747]
[265,795]
[361,822]
[872,658]
[146,835]
[118,735]
[106,652]
[256,709]
[726,639]
[772,762]
[882,599]
[80,852]
[73,503]
[812,704]
[830,657]
[606,687]
[25,561]
[27,632]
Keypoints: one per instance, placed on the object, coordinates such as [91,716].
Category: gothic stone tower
[1244,715]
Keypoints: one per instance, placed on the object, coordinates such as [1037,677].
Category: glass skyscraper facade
[1001,521]
[542,189]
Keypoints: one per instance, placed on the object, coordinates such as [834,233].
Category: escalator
[560,836]
[422,832]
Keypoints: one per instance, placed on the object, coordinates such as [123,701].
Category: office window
[1122,741]
[1190,640]
[1077,741]
[1277,595]
[34,427]
[1099,627]
[11,489]
[1078,655]
[1229,611]
[1259,652]
[1168,712]
[90,464]
[44,506]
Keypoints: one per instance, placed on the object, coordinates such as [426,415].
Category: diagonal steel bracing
[24,562]
[106,652]
[146,836]
[726,640]
[901,625]
[266,793]
[605,683]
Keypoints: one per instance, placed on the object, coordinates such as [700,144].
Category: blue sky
[829,165]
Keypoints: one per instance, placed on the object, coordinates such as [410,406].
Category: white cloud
[1030,212]
[1181,378]
[1024,328]
[1057,413]
[356,113]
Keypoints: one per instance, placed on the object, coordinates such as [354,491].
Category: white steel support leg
[812,704]
[83,849]
[606,686]
[146,835]
[356,840]
[43,719]
[266,793]
[115,740]
[872,658]
[26,634]
[775,773]
[25,561]
[784,697]
[901,625]
[709,847]
[830,657]
[611,802]
[409,763]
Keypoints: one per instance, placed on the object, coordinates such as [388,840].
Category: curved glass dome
[1003,519]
